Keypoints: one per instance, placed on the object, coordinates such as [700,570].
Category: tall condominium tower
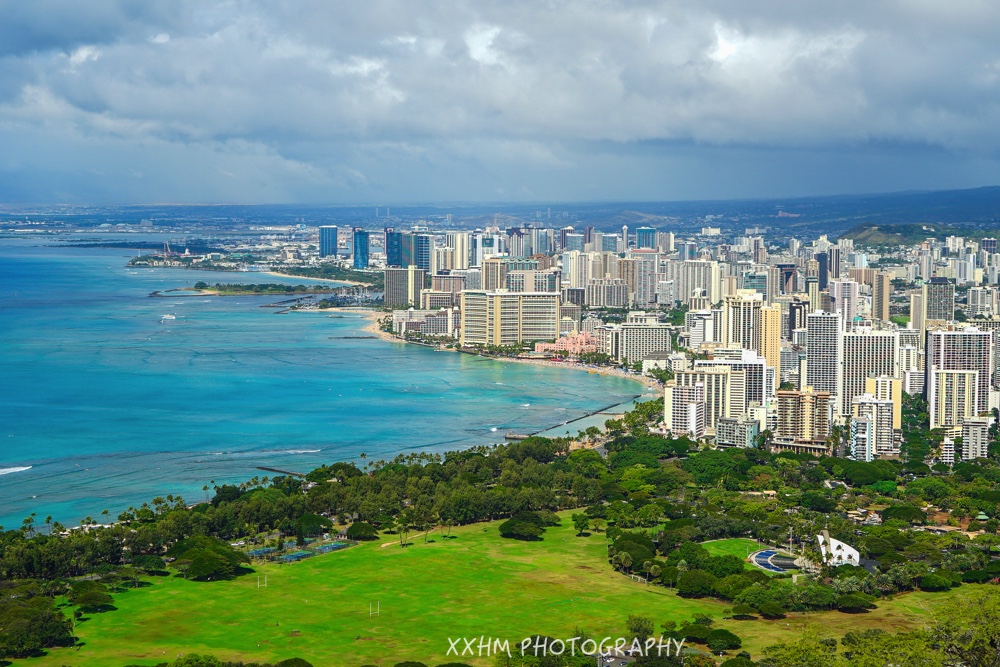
[844,298]
[962,350]
[360,248]
[881,291]
[824,353]
[867,353]
[939,299]
[328,241]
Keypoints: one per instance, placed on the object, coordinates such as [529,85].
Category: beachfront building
[431,322]
[403,286]
[574,344]
[639,336]
[500,317]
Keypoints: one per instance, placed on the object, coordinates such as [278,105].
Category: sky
[536,100]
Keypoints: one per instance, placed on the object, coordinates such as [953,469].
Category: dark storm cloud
[322,101]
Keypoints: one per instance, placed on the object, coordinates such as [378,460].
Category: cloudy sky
[540,100]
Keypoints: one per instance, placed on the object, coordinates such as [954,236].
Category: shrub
[743,612]
[934,582]
[723,640]
[976,576]
[696,633]
[853,603]
[771,610]
[738,661]
[523,526]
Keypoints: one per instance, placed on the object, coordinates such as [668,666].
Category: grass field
[471,585]
[733,547]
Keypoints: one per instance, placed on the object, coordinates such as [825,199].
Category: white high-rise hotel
[949,353]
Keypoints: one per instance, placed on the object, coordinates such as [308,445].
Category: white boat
[168,317]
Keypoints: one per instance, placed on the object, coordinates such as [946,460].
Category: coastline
[351,283]
[373,328]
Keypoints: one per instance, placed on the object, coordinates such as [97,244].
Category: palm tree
[682,565]
[626,560]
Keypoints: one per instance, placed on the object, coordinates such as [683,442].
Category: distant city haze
[512,101]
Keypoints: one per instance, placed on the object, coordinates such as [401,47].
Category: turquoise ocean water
[104,404]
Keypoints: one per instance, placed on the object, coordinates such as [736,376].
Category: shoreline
[373,328]
[346,283]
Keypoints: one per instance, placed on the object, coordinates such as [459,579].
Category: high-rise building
[886,388]
[360,248]
[939,299]
[423,248]
[499,317]
[760,380]
[867,353]
[393,247]
[328,241]
[742,320]
[824,269]
[966,350]
[725,391]
[684,409]
[824,354]
[403,286]
[460,241]
[844,298]
[881,291]
[770,337]
[952,397]
[607,293]
[976,438]
[739,432]
[880,438]
[803,415]
[645,237]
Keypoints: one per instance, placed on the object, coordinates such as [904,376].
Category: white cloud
[470,87]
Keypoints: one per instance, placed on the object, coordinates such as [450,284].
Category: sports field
[474,584]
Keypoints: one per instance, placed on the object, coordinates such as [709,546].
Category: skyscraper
[844,298]
[393,247]
[402,286]
[645,237]
[868,353]
[328,241]
[824,352]
[881,291]
[939,299]
[360,248]
[966,350]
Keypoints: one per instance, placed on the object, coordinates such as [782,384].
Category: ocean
[105,404]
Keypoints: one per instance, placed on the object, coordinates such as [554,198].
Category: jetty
[279,470]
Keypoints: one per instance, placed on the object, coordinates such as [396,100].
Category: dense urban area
[814,483]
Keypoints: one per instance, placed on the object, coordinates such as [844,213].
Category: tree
[581,522]
[722,640]
[361,530]
[639,626]
[695,584]
[971,639]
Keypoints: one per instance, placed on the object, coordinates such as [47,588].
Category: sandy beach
[352,283]
[375,317]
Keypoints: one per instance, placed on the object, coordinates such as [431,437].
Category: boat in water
[168,317]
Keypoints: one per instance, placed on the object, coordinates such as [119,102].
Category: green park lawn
[736,546]
[470,585]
